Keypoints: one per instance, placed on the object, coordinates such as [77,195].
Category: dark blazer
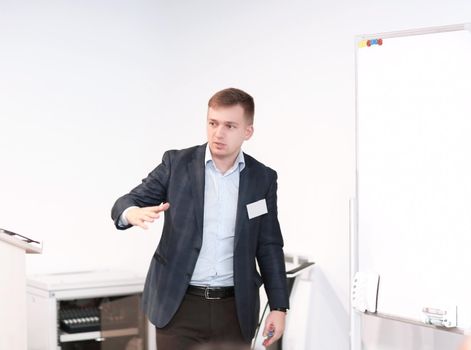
[179,180]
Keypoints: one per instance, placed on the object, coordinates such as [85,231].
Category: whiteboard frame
[355,317]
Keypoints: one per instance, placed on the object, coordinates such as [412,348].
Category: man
[220,208]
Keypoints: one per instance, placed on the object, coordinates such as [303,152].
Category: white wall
[93,92]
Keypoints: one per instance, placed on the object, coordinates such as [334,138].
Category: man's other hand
[466,345]
[274,327]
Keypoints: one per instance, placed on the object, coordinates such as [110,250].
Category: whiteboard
[414,169]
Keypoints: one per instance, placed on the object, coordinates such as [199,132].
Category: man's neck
[225,163]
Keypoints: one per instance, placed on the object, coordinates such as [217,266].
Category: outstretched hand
[140,216]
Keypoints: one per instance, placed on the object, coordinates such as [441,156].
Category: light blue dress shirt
[214,266]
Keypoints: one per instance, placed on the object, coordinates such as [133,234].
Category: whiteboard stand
[355,318]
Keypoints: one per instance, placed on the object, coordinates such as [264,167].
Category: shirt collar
[239,162]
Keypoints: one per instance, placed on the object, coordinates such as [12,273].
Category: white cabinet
[93,310]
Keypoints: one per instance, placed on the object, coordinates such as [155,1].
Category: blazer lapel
[244,191]
[196,172]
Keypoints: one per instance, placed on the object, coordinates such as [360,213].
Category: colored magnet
[370,42]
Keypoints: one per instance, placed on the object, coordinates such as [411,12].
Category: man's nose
[219,132]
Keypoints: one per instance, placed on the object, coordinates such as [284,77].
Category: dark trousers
[200,321]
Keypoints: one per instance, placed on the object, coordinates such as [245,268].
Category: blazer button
[197,249]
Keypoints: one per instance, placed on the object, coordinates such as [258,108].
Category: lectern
[13,288]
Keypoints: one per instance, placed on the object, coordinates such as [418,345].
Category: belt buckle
[206,295]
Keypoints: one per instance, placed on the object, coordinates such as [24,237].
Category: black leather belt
[211,293]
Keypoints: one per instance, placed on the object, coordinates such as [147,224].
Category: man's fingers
[266,330]
[152,214]
[269,341]
[276,336]
[163,207]
[148,218]
[139,216]
[141,224]
[160,208]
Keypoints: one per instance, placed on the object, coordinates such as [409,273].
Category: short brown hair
[232,97]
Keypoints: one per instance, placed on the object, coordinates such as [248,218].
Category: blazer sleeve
[152,191]
[270,254]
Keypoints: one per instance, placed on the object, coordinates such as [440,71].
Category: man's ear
[248,132]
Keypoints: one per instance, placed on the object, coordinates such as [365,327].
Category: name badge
[257,208]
